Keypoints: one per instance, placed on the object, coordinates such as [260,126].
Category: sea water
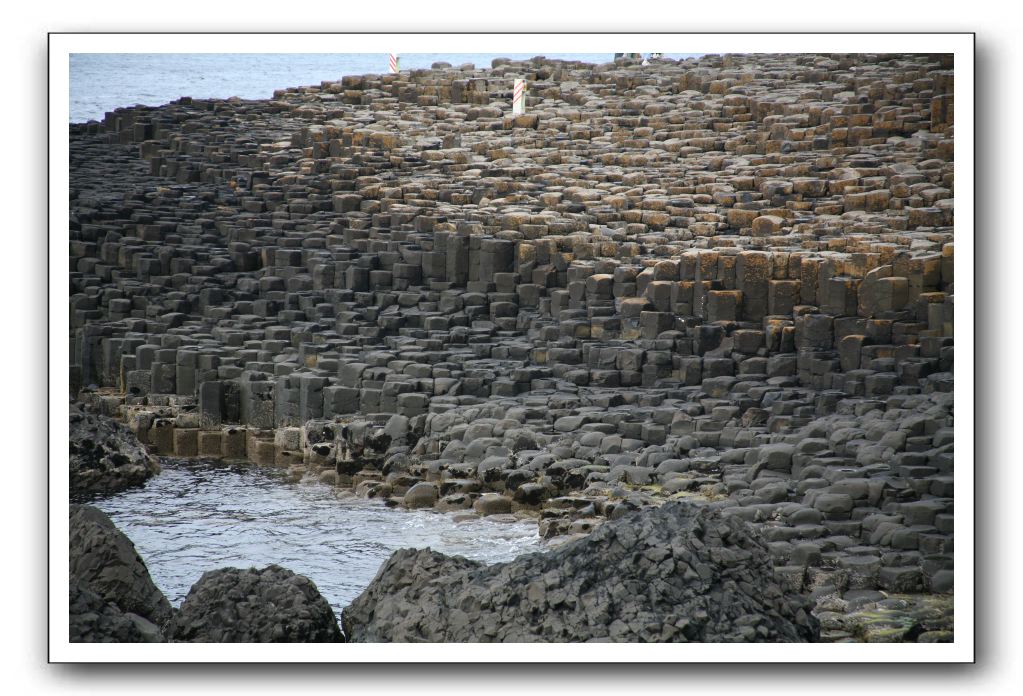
[200,515]
[102,82]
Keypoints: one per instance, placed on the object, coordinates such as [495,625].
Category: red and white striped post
[519,97]
[394,63]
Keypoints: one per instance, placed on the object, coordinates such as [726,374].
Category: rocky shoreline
[113,598]
[104,456]
[728,281]
[680,573]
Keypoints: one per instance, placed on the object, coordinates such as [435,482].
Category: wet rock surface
[729,280]
[677,573]
[105,456]
[268,605]
[104,562]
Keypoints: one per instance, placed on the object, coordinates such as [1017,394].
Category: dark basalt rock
[104,456]
[104,560]
[738,282]
[677,573]
[95,620]
[269,605]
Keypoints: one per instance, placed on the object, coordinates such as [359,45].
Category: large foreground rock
[676,573]
[104,456]
[271,605]
[104,559]
[94,620]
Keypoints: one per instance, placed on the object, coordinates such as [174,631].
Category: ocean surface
[200,515]
[102,82]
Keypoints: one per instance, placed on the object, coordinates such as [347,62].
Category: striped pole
[394,63]
[519,97]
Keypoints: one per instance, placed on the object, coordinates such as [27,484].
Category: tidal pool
[200,515]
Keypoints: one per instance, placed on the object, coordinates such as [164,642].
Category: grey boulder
[269,605]
[92,619]
[103,559]
[104,456]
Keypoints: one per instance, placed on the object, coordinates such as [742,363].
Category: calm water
[198,516]
[101,82]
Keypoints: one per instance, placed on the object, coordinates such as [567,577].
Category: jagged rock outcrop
[94,620]
[105,561]
[104,456]
[269,605]
[681,572]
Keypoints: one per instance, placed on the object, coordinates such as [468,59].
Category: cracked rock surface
[677,573]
